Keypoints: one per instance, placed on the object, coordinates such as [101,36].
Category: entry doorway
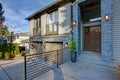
[92,39]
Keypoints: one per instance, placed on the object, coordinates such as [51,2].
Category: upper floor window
[37,24]
[17,37]
[36,29]
[52,23]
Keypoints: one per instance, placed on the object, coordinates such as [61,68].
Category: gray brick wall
[106,28]
[76,29]
[106,31]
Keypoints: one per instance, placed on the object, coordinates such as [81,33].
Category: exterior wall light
[66,45]
[107,17]
[74,23]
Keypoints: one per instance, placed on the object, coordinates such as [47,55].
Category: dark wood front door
[92,39]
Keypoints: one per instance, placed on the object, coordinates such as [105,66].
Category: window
[55,20]
[17,37]
[37,23]
[36,29]
[52,24]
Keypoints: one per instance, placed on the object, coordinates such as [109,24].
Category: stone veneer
[106,28]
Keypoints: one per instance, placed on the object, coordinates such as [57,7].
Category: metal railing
[52,28]
[40,63]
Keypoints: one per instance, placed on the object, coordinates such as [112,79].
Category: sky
[17,10]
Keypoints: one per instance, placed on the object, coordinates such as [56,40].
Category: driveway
[12,70]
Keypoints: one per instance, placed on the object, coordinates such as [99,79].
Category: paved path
[12,70]
[89,66]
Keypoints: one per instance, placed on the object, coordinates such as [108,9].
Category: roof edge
[44,8]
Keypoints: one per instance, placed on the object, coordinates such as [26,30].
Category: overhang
[51,6]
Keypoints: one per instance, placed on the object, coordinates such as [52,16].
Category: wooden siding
[116,27]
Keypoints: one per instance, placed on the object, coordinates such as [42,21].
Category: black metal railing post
[25,74]
[57,59]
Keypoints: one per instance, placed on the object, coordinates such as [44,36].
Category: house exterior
[97,27]
[50,30]
[22,39]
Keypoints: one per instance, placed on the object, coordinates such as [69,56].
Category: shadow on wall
[64,14]
[65,19]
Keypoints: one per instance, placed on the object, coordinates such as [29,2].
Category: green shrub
[1,55]
[8,50]
[24,53]
[73,45]
[17,50]
[7,55]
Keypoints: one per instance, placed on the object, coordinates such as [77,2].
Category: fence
[40,63]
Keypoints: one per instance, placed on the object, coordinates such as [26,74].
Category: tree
[17,50]
[3,29]
[5,32]
[2,18]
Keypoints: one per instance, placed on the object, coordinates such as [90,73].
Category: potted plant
[73,50]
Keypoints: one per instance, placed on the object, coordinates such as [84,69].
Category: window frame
[37,27]
[53,23]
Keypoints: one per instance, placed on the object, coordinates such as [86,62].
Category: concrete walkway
[12,70]
[89,66]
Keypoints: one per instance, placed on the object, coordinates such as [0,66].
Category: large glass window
[52,25]
[55,21]
[50,22]
[36,29]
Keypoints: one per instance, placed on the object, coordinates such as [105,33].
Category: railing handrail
[53,23]
[41,53]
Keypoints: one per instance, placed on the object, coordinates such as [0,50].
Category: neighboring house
[22,39]
[2,39]
[97,27]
